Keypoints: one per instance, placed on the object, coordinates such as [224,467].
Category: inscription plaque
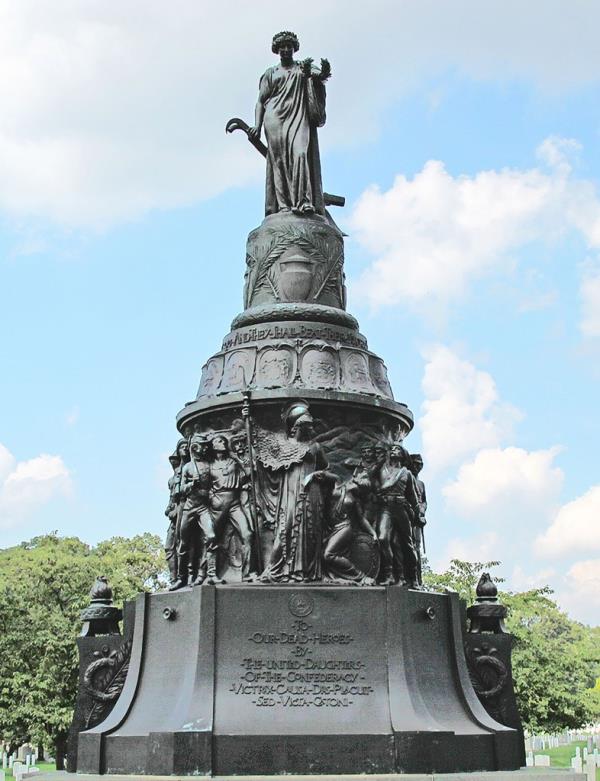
[301,655]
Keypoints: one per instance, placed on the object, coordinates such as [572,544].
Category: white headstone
[4,760]
[576,764]
[2,775]
[529,759]
[11,760]
[590,770]
[542,760]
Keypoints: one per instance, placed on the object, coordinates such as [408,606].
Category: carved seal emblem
[301,605]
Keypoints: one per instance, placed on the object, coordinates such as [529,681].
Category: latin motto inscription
[243,336]
[305,677]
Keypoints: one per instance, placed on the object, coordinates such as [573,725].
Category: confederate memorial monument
[295,635]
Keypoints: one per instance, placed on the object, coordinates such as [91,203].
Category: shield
[364,554]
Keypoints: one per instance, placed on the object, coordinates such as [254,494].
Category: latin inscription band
[304,679]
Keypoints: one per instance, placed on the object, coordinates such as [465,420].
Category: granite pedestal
[280,679]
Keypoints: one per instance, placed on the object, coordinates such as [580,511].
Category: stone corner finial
[101,617]
[486,590]
[101,592]
[487,614]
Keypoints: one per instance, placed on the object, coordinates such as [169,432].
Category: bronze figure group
[292,519]
[208,499]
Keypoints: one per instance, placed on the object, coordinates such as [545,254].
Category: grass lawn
[561,756]
[43,766]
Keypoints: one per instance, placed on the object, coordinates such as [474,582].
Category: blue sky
[465,138]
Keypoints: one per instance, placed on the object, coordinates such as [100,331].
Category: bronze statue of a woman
[291,106]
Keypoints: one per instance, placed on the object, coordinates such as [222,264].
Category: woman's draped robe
[297,511]
[294,108]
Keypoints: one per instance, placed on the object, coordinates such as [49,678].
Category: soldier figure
[195,516]
[416,465]
[228,493]
[173,512]
[398,507]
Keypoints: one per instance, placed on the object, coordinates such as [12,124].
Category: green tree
[550,672]
[44,585]
[461,576]
[556,661]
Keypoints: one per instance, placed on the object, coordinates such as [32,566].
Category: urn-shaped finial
[101,591]
[486,588]
[487,614]
[101,617]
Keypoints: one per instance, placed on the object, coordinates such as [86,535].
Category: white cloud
[111,109]
[462,411]
[477,547]
[589,293]
[579,593]
[7,462]
[511,487]
[27,485]
[575,528]
[524,580]
[434,234]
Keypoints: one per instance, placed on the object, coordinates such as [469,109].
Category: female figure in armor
[303,483]
[291,106]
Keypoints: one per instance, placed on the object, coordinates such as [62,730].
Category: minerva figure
[291,105]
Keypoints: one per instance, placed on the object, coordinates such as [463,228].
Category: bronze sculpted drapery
[291,106]
[297,547]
